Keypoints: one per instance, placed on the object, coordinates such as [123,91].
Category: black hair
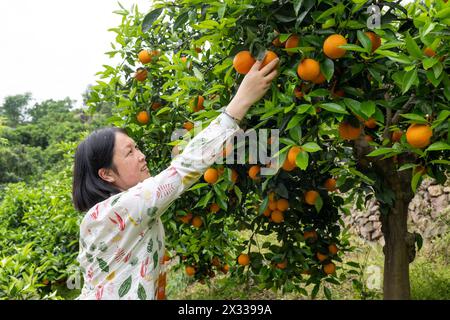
[93,153]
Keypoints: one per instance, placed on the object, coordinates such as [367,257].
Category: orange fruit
[333,249]
[220,170]
[288,166]
[253,172]
[187,218]
[348,132]
[277,216]
[375,39]
[298,92]
[310,234]
[329,268]
[308,69]
[244,259]
[225,268]
[272,204]
[270,55]
[368,138]
[292,154]
[330,184]
[199,106]
[418,135]
[396,135]
[215,261]
[141,74]
[311,197]
[331,46]
[156,105]
[267,212]
[190,271]
[321,257]
[147,56]
[214,208]
[211,175]
[319,79]
[370,123]
[143,117]
[197,221]
[243,62]
[292,42]
[429,52]
[188,125]
[282,205]
[234,175]
[338,93]
[282,265]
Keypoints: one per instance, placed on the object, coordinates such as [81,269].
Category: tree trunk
[396,260]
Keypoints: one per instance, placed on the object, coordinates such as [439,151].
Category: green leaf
[297,6]
[327,68]
[365,41]
[263,205]
[318,204]
[141,292]
[429,62]
[150,18]
[315,290]
[327,292]
[415,117]
[443,14]
[415,181]
[311,147]
[437,69]
[418,240]
[333,107]
[380,151]
[368,108]
[294,121]
[438,146]
[302,160]
[412,47]
[125,287]
[408,80]
[353,47]
[198,186]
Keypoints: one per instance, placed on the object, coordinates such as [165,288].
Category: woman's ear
[106,175]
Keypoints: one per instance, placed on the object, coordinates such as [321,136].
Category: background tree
[13,108]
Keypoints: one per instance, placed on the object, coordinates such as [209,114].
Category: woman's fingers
[271,75]
[268,67]
[255,66]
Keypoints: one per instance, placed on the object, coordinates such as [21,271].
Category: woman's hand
[252,89]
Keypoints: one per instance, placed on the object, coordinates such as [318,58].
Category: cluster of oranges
[276,208]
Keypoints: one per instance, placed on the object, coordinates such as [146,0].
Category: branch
[404,109]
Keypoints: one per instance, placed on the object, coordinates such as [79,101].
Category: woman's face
[129,162]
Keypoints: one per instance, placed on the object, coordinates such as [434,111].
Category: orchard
[361,112]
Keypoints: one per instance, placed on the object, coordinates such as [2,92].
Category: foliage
[13,108]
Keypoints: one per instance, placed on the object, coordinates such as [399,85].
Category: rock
[377,225]
[374,218]
[435,191]
[447,189]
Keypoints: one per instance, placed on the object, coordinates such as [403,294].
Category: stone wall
[429,214]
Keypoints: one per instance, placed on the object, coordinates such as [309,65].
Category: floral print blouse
[122,238]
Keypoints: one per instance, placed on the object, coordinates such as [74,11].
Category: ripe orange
[396,135]
[292,154]
[321,257]
[144,56]
[225,268]
[330,184]
[298,92]
[329,268]
[331,46]
[308,69]
[141,74]
[273,204]
[188,125]
[338,93]
[243,62]
[418,135]
[214,208]
[310,234]
[190,271]
[288,166]
[429,52]
[368,138]
[282,265]
[234,175]
[319,79]
[375,39]
[292,42]
[311,197]
[370,123]
[187,218]
[348,132]
[197,221]
[211,175]
[244,259]
[333,249]
[277,216]
[282,205]
[270,55]
[199,106]
[253,172]
[267,212]
[143,117]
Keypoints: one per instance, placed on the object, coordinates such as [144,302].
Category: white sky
[53,48]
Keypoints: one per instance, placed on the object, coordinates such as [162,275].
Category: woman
[121,235]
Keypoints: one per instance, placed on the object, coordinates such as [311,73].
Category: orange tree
[361,113]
